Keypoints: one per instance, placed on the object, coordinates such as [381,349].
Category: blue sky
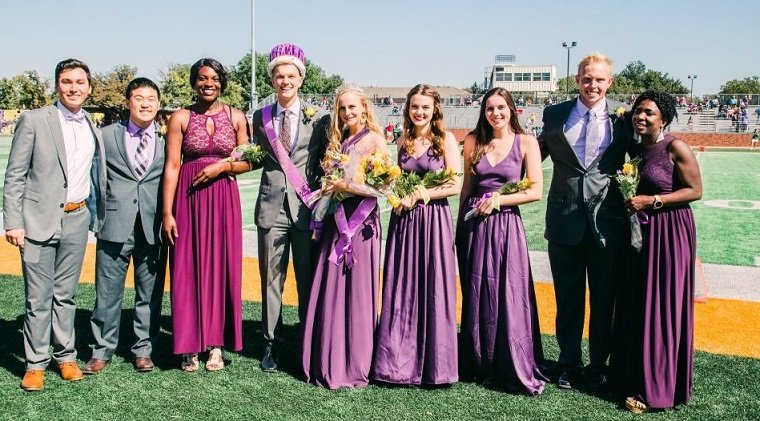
[388,42]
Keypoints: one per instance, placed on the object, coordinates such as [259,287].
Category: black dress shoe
[595,378]
[268,363]
[567,379]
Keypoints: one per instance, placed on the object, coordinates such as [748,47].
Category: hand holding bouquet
[628,181]
[252,154]
[377,171]
[409,183]
[509,187]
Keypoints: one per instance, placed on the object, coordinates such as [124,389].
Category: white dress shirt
[79,143]
[575,128]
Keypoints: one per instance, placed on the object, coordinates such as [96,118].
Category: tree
[25,91]
[108,88]
[474,88]
[567,84]
[748,85]
[176,91]
[636,78]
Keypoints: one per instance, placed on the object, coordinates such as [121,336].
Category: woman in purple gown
[341,311]
[500,340]
[202,221]
[417,334]
[661,293]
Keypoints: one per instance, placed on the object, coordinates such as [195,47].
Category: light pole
[567,83]
[254,94]
[691,95]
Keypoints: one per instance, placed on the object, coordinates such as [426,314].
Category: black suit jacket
[584,197]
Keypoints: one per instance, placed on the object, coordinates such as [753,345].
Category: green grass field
[724,387]
[725,235]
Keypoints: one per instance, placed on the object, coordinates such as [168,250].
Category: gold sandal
[215,360]
[635,406]
[190,363]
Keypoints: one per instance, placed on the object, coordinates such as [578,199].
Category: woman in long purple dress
[202,221]
[500,339]
[417,334]
[661,358]
[341,311]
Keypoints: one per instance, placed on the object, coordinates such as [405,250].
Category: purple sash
[344,250]
[307,196]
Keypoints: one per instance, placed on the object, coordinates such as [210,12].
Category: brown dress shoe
[95,366]
[33,380]
[144,364]
[70,371]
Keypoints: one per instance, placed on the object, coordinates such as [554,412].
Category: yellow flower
[309,112]
[344,159]
[394,171]
[620,111]
[394,201]
[629,169]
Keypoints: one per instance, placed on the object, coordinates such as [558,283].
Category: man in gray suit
[295,136]
[56,171]
[135,160]
[585,218]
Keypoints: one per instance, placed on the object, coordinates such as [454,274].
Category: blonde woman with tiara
[417,334]
[339,326]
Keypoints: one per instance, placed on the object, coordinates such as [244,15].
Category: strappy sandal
[635,406]
[190,363]
[215,360]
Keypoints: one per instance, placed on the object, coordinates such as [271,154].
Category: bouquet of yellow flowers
[334,166]
[509,187]
[249,153]
[407,183]
[377,171]
[628,181]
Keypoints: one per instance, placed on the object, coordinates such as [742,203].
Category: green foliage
[25,91]
[176,91]
[567,85]
[242,74]
[474,88]
[748,85]
[636,78]
[318,82]
[108,88]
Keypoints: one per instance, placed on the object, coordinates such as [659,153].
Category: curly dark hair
[665,102]
[214,65]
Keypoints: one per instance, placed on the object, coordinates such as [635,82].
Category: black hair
[71,63]
[141,82]
[665,102]
[214,65]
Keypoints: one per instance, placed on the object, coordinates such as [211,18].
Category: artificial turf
[725,387]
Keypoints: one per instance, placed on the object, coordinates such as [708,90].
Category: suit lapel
[121,145]
[564,115]
[57,134]
[158,147]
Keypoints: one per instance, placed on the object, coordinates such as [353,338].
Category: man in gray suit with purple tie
[135,151]
[55,174]
[585,218]
[295,136]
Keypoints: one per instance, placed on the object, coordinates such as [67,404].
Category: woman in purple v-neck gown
[500,341]
[417,334]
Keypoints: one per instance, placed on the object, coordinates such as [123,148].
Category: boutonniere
[162,129]
[308,114]
[618,113]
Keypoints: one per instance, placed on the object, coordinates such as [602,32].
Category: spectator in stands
[755,136]
[757,113]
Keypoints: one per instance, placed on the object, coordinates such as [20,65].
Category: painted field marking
[738,204]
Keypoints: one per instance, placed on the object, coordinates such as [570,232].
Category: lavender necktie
[592,137]
[141,154]
[285,131]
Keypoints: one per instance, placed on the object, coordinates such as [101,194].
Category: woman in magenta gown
[658,355]
[417,334]
[202,221]
[500,341]
[338,330]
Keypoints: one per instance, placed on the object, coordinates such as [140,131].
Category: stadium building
[536,80]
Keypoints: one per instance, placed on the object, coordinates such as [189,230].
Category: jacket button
[61,204]
[65,185]
[134,201]
[282,189]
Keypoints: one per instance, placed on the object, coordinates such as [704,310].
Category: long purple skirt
[341,312]
[206,263]
[417,335]
[500,339]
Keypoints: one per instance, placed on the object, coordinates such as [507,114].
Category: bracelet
[496,201]
[231,167]
[424,195]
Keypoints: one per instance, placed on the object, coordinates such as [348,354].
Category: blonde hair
[337,130]
[437,132]
[593,58]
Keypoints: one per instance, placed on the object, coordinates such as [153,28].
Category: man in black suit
[585,218]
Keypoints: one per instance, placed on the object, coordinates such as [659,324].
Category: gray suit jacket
[307,155]
[127,194]
[36,178]
[580,197]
